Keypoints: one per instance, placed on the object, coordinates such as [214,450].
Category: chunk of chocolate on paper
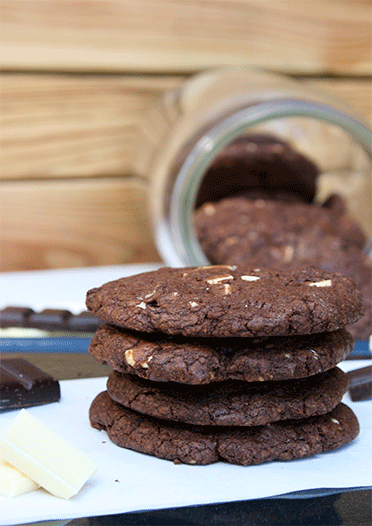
[22,384]
[14,316]
[51,320]
[360,387]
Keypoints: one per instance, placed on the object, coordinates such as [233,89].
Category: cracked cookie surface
[225,300]
[165,358]
[198,445]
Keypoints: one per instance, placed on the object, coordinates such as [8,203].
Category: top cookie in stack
[222,301]
[265,342]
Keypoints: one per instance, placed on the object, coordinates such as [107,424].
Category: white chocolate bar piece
[48,459]
[13,482]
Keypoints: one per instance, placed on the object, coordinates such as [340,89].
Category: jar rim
[176,239]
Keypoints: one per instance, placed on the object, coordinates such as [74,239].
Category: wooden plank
[74,223]
[84,126]
[181,36]
[355,93]
[71,126]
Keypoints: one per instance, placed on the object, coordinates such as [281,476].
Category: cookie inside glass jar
[258,205]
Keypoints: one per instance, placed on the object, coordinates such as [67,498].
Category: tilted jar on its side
[191,125]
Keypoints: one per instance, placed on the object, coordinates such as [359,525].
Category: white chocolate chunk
[227,289]
[147,296]
[209,209]
[145,365]
[129,358]
[142,305]
[193,304]
[323,283]
[13,482]
[288,253]
[250,278]
[45,457]
[218,279]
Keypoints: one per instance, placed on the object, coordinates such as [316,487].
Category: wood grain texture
[74,223]
[68,126]
[85,126]
[182,36]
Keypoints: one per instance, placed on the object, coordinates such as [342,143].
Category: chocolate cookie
[240,230]
[230,403]
[224,301]
[165,358]
[261,163]
[204,445]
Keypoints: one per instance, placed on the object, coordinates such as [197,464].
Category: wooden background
[77,77]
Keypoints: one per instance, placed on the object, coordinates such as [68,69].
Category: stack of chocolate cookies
[225,363]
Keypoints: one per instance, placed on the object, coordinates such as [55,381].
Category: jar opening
[280,120]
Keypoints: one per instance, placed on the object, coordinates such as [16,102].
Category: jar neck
[175,234]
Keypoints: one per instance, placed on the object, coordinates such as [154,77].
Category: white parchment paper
[128,481]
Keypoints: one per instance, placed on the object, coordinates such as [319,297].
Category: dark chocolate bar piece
[14,316]
[22,384]
[84,322]
[49,320]
[360,387]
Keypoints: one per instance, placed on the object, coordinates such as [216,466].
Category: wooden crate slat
[74,223]
[80,126]
[181,36]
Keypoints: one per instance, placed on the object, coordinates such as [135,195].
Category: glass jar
[191,125]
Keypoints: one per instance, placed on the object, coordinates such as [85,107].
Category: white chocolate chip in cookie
[193,304]
[145,364]
[149,295]
[129,357]
[232,240]
[142,305]
[250,278]
[288,253]
[322,283]
[227,289]
[218,279]
[209,210]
